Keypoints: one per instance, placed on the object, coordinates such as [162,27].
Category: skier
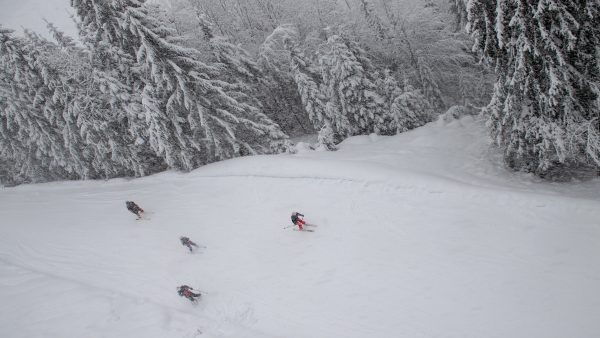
[297,220]
[187,242]
[186,291]
[134,208]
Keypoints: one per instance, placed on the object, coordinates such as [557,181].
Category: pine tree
[63,40]
[459,8]
[193,116]
[10,147]
[411,109]
[408,108]
[91,145]
[373,19]
[383,119]
[59,69]
[354,106]
[309,85]
[545,110]
[429,85]
[268,90]
[31,113]
[93,104]
[281,98]
[122,131]
[113,148]
[234,57]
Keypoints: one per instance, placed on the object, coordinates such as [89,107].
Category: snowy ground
[420,235]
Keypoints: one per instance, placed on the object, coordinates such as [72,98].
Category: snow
[422,234]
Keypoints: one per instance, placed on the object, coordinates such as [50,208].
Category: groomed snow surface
[423,234]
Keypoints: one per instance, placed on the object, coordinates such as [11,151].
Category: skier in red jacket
[297,220]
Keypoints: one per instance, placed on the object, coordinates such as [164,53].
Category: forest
[177,84]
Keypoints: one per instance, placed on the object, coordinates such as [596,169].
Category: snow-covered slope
[419,235]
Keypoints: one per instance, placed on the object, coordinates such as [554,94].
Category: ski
[307,230]
[145,215]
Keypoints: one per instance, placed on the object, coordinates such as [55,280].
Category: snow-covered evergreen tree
[193,117]
[269,89]
[59,69]
[429,84]
[112,147]
[408,108]
[234,57]
[388,86]
[309,83]
[32,113]
[281,96]
[545,107]
[411,109]
[373,19]
[122,131]
[63,40]
[459,8]
[93,144]
[354,106]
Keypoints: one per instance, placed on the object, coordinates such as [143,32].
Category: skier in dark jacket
[134,208]
[186,291]
[297,220]
[187,242]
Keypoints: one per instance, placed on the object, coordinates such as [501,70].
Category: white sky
[19,14]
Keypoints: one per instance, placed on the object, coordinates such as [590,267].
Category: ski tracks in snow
[407,245]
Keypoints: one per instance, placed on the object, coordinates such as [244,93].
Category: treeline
[146,89]
[545,109]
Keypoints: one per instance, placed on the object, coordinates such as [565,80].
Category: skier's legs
[299,223]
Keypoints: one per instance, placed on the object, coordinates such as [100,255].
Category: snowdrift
[423,234]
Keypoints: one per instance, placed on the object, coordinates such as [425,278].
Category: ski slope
[422,234]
